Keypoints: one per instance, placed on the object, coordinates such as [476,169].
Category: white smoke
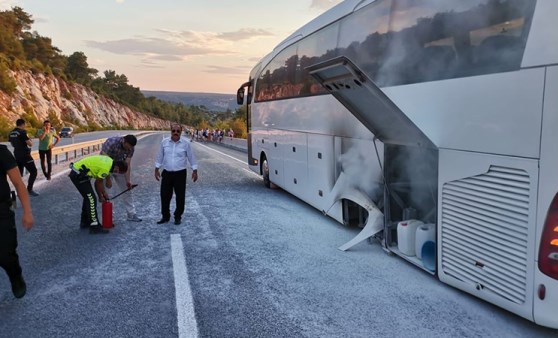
[360,174]
[361,167]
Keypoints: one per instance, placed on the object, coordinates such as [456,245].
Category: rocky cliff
[72,103]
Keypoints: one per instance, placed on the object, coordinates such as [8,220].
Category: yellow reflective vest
[99,166]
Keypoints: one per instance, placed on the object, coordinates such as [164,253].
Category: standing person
[9,259]
[45,135]
[22,152]
[173,152]
[98,167]
[121,148]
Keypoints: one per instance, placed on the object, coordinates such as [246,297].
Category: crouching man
[98,167]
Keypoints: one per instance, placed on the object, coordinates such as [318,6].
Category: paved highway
[246,262]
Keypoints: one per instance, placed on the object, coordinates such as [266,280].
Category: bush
[7,83]
[5,127]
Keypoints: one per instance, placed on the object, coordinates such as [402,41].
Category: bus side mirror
[240,95]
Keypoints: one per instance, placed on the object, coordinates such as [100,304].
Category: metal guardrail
[235,143]
[67,152]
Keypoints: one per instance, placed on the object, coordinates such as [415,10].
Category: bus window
[316,48]
[433,40]
[362,36]
[278,79]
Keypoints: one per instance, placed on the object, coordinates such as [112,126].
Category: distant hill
[213,102]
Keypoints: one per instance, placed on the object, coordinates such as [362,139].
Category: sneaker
[33,193]
[134,218]
[97,229]
[84,225]
[18,286]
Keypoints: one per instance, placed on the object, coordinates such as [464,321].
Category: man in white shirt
[174,153]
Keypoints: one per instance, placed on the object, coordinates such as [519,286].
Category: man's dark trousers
[9,260]
[89,204]
[27,162]
[46,154]
[173,181]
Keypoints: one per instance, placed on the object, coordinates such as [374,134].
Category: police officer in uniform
[98,167]
[9,259]
[22,152]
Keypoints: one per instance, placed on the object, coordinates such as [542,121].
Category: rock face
[73,103]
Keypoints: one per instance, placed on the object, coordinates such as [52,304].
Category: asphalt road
[260,263]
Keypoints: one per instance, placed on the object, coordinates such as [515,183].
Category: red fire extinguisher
[107,209]
[107,215]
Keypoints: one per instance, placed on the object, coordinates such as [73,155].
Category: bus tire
[265,172]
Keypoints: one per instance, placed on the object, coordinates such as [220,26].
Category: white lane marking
[187,325]
[234,158]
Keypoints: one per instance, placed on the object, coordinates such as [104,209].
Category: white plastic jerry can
[406,234]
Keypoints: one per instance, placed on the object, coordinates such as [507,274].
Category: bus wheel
[265,173]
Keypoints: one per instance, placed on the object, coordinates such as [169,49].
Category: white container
[406,233]
[425,233]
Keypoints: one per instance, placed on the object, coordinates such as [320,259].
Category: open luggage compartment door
[366,101]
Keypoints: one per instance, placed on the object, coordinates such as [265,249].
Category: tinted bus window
[397,42]
[433,40]
[316,48]
[278,79]
[363,36]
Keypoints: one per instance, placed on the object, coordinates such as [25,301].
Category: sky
[171,45]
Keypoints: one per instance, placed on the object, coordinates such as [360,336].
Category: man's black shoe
[97,229]
[32,193]
[18,286]
[163,220]
[84,225]
[177,220]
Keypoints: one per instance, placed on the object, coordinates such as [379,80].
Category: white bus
[430,124]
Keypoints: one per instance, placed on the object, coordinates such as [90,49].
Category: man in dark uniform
[98,167]
[9,260]
[22,152]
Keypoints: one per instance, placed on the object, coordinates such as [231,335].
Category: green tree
[40,48]
[77,69]
[10,30]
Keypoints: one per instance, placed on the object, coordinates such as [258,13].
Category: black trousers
[46,155]
[9,260]
[89,204]
[173,181]
[27,162]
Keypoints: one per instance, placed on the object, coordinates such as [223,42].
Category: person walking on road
[9,259]
[46,136]
[121,148]
[173,154]
[98,167]
[22,152]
